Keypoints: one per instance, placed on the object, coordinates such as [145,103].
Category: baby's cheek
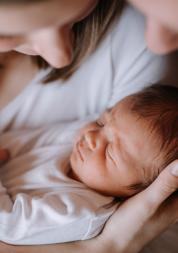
[85,175]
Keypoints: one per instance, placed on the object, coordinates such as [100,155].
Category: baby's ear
[4,156]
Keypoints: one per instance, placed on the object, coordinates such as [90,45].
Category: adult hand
[143,217]
[136,222]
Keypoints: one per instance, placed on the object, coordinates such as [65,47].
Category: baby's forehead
[107,115]
[123,105]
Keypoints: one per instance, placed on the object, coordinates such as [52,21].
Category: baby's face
[114,153]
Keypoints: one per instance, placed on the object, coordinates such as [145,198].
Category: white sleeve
[52,218]
[39,204]
[134,66]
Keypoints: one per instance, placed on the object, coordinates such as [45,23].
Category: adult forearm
[143,217]
[88,246]
[136,222]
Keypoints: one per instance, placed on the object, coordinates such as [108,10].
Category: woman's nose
[55,46]
[160,39]
[91,139]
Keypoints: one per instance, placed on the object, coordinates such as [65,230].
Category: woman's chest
[87,92]
[14,77]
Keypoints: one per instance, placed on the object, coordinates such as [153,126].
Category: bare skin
[116,231]
[12,76]
[31,35]
[109,156]
[19,34]
[161,24]
[148,212]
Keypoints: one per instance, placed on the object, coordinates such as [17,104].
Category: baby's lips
[4,156]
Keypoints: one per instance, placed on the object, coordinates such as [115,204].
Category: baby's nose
[90,138]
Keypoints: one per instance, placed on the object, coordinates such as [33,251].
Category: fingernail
[174,171]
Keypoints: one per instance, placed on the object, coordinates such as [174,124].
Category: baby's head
[123,151]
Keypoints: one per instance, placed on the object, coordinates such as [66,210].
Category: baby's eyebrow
[106,115]
[108,111]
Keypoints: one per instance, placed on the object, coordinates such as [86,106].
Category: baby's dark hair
[158,105]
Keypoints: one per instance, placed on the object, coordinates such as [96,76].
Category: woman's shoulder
[134,65]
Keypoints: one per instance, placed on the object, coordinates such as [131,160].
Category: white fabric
[39,203]
[121,65]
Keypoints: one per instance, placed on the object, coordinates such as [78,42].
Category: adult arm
[136,222]
[146,215]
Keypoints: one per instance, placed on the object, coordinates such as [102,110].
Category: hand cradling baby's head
[129,145]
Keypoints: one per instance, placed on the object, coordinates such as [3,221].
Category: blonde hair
[88,33]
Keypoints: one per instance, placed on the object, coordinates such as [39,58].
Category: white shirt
[121,65]
[39,203]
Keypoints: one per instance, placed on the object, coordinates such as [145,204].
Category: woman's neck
[16,71]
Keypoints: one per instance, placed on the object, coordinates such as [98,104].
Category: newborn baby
[47,199]
[127,147]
